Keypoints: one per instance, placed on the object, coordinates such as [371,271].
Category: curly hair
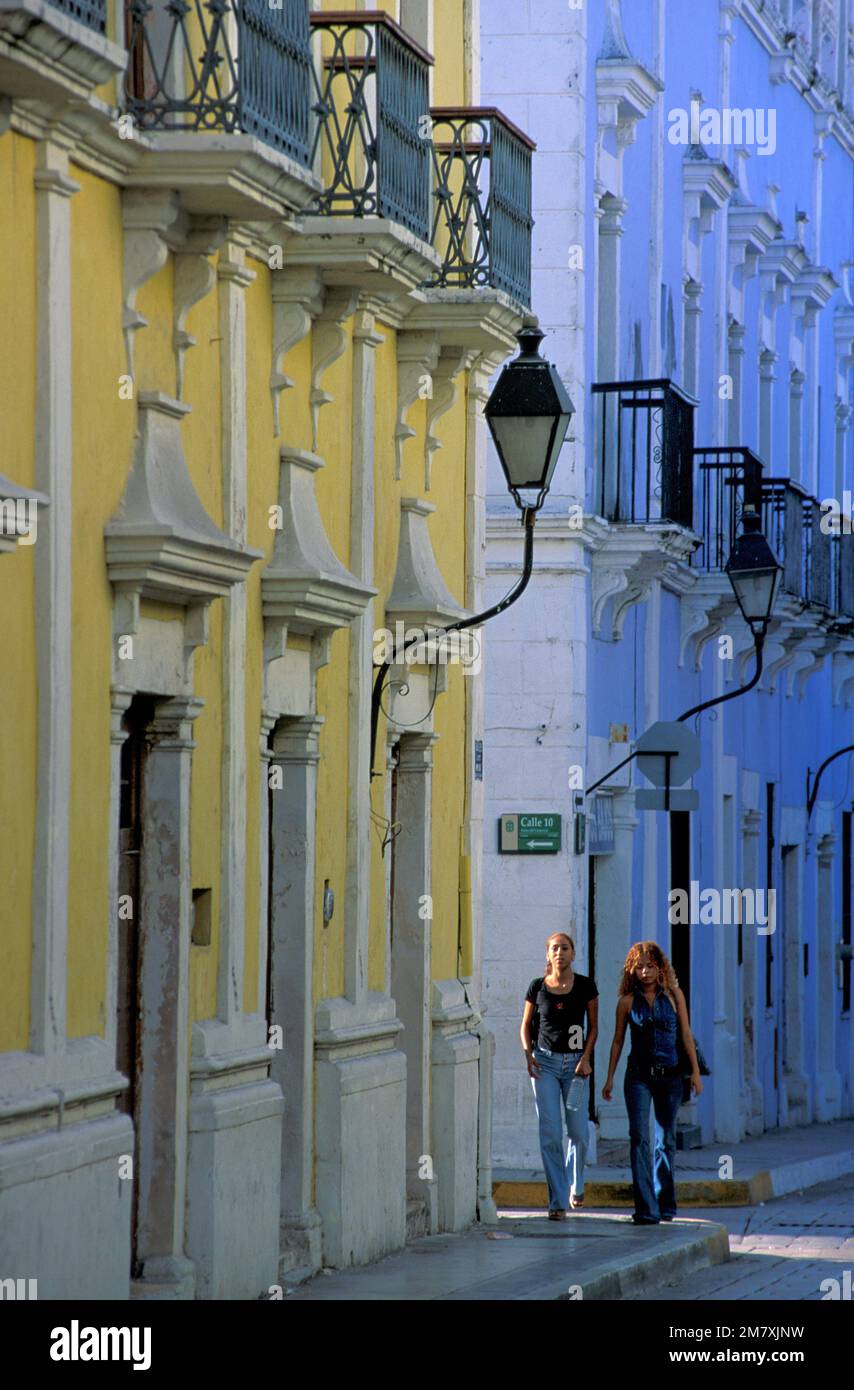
[666,974]
[566,936]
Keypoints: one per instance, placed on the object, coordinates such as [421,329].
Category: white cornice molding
[47,55]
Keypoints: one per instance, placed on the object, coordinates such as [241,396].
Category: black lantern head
[754,574]
[528,415]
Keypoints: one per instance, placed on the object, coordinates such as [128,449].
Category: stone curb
[637,1275]
[761,1186]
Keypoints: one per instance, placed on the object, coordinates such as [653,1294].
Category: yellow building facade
[266,262]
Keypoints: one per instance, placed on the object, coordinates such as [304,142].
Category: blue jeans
[652,1176]
[551,1093]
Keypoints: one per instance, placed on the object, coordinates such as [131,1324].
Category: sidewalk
[527,1257]
[771,1165]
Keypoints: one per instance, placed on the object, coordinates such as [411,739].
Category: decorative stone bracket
[161,543]
[624,567]
[305,588]
[328,344]
[154,223]
[297,301]
[417,360]
[445,393]
[195,276]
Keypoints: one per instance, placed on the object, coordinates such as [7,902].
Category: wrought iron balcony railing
[645,452]
[346,94]
[786,522]
[729,480]
[372,130]
[842,564]
[222,65]
[818,568]
[482,232]
[92,13]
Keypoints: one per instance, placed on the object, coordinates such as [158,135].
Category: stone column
[411,952]
[795,1085]
[234,278]
[767,362]
[752,1098]
[357,903]
[828,1100]
[296,753]
[737,333]
[164,972]
[614,934]
[53,450]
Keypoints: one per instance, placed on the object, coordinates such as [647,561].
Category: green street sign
[529,833]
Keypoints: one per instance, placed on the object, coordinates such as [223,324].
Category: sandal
[557,1215]
[576,1201]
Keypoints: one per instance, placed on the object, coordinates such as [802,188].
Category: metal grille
[221,65]
[729,480]
[783,524]
[92,13]
[482,218]
[645,452]
[372,128]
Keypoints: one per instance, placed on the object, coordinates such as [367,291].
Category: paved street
[781,1249]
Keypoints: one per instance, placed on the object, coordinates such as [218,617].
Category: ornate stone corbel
[417,359]
[153,222]
[297,302]
[195,276]
[328,343]
[843,670]
[446,389]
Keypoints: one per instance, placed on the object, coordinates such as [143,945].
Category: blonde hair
[566,936]
[666,975]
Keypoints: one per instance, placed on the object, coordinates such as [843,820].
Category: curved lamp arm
[733,694]
[529,516]
[812,795]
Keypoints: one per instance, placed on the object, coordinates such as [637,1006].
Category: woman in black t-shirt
[558,1057]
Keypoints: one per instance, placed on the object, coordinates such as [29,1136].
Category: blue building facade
[693,247]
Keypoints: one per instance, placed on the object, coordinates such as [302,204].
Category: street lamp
[528,415]
[754,573]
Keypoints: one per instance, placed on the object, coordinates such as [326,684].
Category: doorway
[128,992]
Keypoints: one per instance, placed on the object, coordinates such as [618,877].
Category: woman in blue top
[653,1006]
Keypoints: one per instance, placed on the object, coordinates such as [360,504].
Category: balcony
[371,97]
[211,65]
[345,96]
[483,235]
[645,453]
[53,50]
[91,13]
[816,597]
[644,486]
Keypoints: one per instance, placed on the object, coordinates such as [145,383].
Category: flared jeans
[551,1093]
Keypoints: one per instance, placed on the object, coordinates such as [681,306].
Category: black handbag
[685,1062]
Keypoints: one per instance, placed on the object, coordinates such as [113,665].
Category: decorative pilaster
[164,982]
[828,1097]
[54,626]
